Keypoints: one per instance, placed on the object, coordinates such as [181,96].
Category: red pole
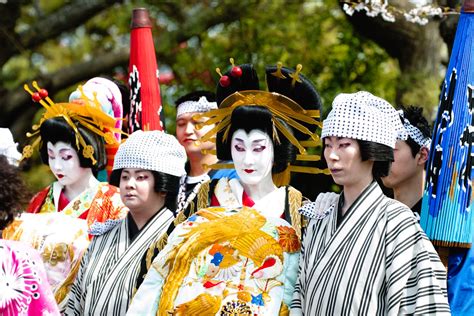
[145,98]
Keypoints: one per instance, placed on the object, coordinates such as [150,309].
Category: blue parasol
[447,208]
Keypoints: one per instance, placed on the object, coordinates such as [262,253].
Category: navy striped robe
[109,269]
[377,262]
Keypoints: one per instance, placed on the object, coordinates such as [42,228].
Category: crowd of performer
[207,223]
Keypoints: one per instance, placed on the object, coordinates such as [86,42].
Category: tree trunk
[419,49]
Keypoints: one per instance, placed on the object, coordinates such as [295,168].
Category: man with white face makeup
[238,257]
[67,213]
[365,254]
[147,167]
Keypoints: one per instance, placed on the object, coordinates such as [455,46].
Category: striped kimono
[109,269]
[378,261]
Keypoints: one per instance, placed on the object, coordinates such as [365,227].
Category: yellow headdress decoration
[89,115]
[281,107]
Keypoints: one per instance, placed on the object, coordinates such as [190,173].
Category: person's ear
[423,155]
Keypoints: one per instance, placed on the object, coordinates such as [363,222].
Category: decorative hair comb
[279,103]
[89,115]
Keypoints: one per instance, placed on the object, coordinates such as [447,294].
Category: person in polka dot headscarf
[407,173]
[147,168]
[364,253]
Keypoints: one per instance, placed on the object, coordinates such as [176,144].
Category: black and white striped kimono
[378,261]
[109,269]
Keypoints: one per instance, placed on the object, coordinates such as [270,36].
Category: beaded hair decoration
[280,106]
[88,115]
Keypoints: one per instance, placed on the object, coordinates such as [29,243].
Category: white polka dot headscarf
[414,132]
[363,116]
[200,106]
[151,150]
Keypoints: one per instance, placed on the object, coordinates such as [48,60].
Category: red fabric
[246,200]
[143,57]
[214,201]
[37,201]
[63,201]
[111,151]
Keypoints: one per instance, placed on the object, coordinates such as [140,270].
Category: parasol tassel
[145,98]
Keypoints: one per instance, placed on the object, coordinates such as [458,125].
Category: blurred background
[380,48]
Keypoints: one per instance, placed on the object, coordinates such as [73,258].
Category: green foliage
[314,33]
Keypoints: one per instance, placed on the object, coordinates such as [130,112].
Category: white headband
[8,147]
[363,116]
[151,150]
[414,132]
[200,106]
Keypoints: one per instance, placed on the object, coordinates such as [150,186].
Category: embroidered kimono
[110,267]
[62,237]
[228,192]
[222,261]
[378,261]
[187,200]
[101,206]
[24,288]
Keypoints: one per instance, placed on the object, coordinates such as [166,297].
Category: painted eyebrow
[255,141]
[65,149]
[138,171]
[61,150]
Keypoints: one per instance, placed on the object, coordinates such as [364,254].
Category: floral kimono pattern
[101,206]
[24,288]
[62,237]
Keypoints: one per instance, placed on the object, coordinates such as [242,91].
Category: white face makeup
[64,163]
[137,189]
[252,155]
[345,162]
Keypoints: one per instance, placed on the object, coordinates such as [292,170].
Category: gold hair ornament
[280,107]
[89,115]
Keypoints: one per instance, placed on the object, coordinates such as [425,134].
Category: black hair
[163,183]
[125,92]
[249,117]
[414,114]
[247,81]
[381,155]
[196,95]
[56,129]
[13,194]
[257,117]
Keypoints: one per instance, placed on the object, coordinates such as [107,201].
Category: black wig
[249,117]
[163,183]
[58,130]
[381,155]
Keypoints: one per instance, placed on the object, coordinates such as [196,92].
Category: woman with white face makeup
[65,215]
[365,254]
[239,255]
